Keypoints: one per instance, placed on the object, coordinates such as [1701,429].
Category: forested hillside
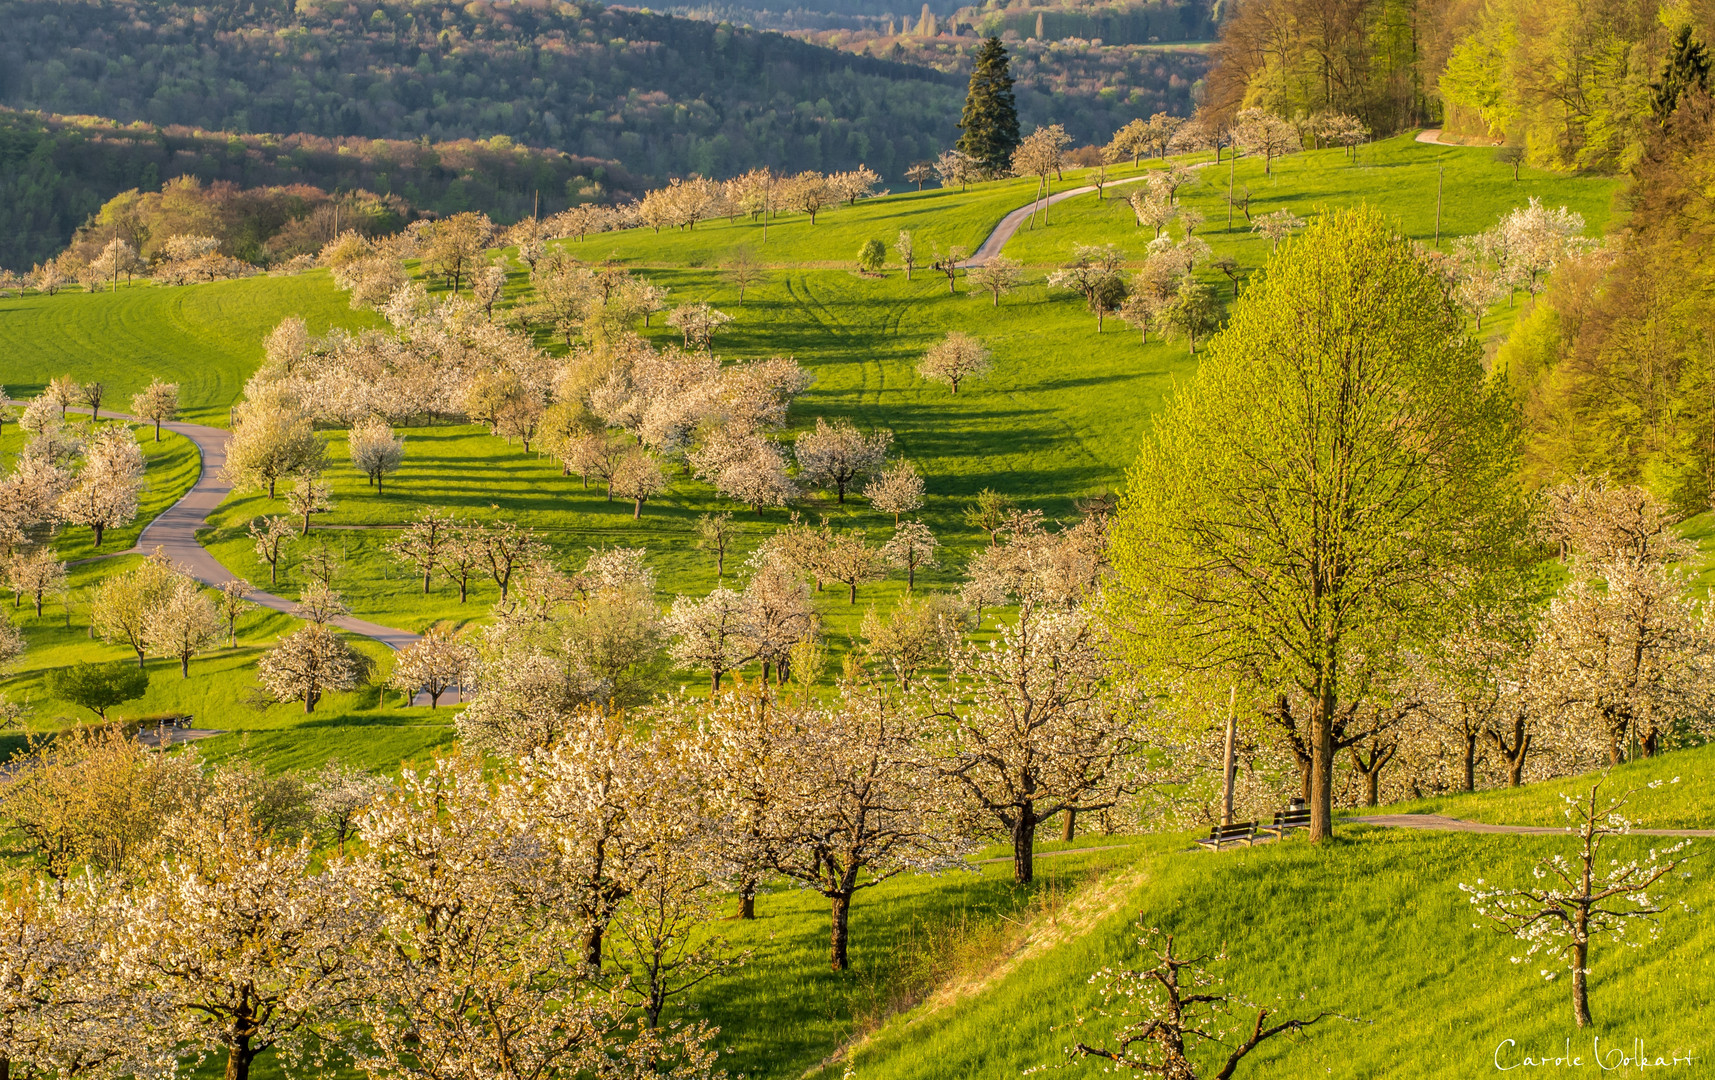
[1570,84]
[57,171]
[663,96]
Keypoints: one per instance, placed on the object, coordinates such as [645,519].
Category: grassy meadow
[1372,926]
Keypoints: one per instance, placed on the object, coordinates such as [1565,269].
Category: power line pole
[1440,179]
[1232,163]
[1232,735]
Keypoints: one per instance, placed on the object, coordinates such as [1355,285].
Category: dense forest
[57,171]
[663,96]
[1567,82]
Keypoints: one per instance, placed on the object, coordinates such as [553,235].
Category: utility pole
[1440,178]
[1232,162]
[1232,734]
[536,214]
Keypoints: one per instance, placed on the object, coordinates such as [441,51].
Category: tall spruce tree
[1685,70]
[990,119]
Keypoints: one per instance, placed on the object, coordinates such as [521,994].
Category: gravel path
[1446,824]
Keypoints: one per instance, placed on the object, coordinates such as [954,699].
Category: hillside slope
[1374,927]
[662,95]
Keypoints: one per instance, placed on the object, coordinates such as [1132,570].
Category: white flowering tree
[157,403]
[271,535]
[896,490]
[62,1013]
[375,450]
[309,496]
[709,633]
[183,623]
[1161,1014]
[124,601]
[271,443]
[233,598]
[859,805]
[1027,732]
[837,455]
[957,357]
[775,616]
[912,546]
[698,323]
[1580,901]
[336,796]
[108,484]
[1533,239]
[1277,226]
[433,664]
[478,972]
[420,544]
[308,664]
[638,477]
[35,574]
[245,945]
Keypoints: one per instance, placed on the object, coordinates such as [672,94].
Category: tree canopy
[1355,475]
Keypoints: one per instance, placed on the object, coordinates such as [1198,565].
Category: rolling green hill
[964,974]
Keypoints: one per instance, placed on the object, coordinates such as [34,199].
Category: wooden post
[1232,735]
[1440,178]
[1232,161]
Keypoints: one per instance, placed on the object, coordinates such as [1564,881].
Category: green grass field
[206,338]
[1371,925]
[1061,415]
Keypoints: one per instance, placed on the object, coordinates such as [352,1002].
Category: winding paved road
[174,531]
[1010,223]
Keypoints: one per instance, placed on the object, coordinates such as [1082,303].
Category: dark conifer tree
[1686,70]
[990,119]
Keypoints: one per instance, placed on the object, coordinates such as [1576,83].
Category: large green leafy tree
[990,119]
[1330,489]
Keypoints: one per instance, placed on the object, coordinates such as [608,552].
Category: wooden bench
[1293,817]
[1238,832]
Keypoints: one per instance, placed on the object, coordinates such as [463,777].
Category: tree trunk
[715,681]
[1322,763]
[592,946]
[426,574]
[1372,785]
[1071,826]
[853,599]
[271,489]
[746,902]
[38,605]
[636,509]
[157,431]
[1024,847]
[184,665]
[98,528]
[238,1059]
[840,905]
[1580,990]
